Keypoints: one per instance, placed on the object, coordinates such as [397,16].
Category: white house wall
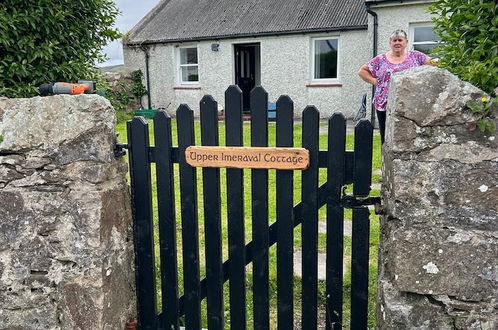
[398,16]
[285,69]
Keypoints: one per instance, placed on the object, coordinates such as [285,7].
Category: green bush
[469,32]
[138,89]
[45,41]
[118,96]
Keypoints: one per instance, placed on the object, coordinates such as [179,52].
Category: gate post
[66,258]
[439,232]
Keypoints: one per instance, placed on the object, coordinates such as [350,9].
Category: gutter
[147,57]
[247,35]
[381,2]
[374,43]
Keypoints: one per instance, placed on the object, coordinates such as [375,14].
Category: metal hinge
[352,201]
[119,147]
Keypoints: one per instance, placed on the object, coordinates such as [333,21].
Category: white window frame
[411,34]
[179,66]
[312,55]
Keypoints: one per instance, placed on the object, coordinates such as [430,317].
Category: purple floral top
[382,70]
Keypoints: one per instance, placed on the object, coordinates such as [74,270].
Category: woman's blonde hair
[398,33]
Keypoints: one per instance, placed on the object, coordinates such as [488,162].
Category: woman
[379,70]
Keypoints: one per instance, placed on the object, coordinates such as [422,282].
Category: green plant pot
[147,113]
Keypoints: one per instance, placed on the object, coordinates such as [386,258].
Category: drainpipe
[375,37]
[147,56]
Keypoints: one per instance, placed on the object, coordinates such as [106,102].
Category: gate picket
[285,220]
[167,220]
[309,225]
[360,235]
[260,235]
[235,211]
[336,173]
[359,268]
[138,135]
[212,217]
[363,138]
[190,231]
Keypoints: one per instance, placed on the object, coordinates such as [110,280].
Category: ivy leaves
[469,33]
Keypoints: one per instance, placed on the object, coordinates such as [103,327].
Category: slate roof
[184,20]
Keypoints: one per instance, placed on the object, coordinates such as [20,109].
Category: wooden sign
[248,157]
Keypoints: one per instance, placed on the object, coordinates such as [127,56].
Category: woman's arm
[366,75]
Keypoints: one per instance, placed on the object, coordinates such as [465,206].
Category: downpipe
[375,37]
[147,76]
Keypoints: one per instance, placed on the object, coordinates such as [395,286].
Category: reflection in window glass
[424,34]
[424,39]
[190,73]
[426,49]
[188,56]
[325,58]
[189,68]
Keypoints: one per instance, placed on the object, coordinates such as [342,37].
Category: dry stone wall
[66,259]
[121,83]
[438,257]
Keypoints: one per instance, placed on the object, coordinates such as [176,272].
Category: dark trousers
[381,116]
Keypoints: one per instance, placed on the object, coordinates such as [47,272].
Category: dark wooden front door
[245,71]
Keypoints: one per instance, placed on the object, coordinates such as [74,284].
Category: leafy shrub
[46,41]
[469,32]
[118,96]
[138,88]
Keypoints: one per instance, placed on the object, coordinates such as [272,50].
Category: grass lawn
[374,228]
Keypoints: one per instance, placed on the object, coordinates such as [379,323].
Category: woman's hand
[432,61]
[366,75]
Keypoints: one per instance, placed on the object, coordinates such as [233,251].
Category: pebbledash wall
[394,15]
[285,69]
[438,255]
[66,254]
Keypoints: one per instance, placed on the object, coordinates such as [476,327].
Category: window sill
[324,85]
[186,87]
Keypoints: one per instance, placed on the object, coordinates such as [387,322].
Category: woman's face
[398,44]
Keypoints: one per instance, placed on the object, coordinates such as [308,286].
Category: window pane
[425,48]
[190,73]
[326,58]
[188,55]
[425,34]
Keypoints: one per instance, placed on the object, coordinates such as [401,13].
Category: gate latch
[351,202]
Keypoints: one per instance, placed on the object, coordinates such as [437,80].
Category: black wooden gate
[343,167]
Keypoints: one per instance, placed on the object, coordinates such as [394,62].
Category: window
[189,67]
[325,59]
[423,38]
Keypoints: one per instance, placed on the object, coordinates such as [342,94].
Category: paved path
[322,228]
[321,265]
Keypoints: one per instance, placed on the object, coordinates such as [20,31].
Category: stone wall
[122,83]
[438,257]
[66,258]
